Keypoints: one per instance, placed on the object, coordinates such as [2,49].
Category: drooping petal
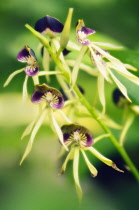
[25,92]
[69,157]
[33,134]
[92,169]
[120,85]
[98,63]
[58,130]
[49,25]
[75,172]
[12,75]
[82,32]
[104,159]
[100,83]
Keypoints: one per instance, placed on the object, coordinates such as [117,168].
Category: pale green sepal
[28,129]
[107,45]
[64,116]
[101,67]
[103,159]
[109,122]
[66,31]
[69,157]
[128,66]
[101,137]
[84,67]
[11,76]
[73,46]
[35,80]
[58,130]
[25,92]
[42,38]
[77,66]
[45,63]
[130,116]
[135,109]
[33,134]
[42,73]
[100,87]
[75,172]
[119,84]
[92,169]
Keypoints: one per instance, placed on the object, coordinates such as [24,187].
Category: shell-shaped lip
[87,31]
[25,54]
[48,22]
[40,94]
[31,70]
[68,134]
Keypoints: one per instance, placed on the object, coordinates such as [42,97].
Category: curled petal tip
[116,168]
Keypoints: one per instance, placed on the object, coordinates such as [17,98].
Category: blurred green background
[36,184]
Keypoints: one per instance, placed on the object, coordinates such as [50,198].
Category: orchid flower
[80,140]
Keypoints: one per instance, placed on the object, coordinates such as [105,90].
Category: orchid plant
[75,139]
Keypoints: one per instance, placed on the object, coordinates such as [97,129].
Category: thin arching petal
[100,83]
[33,134]
[58,130]
[92,169]
[12,76]
[75,172]
[69,157]
[25,92]
[104,159]
[120,85]
[99,65]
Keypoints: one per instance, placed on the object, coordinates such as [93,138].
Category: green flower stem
[92,110]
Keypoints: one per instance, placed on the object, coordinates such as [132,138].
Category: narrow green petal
[64,116]
[58,130]
[46,62]
[71,45]
[99,65]
[120,85]
[104,159]
[101,137]
[66,30]
[25,92]
[128,122]
[75,172]
[11,76]
[84,67]
[77,66]
[110,123]
[128,66]
[69,157]
[33,134]
[92,169]
[125,73]
[35,80]
[100,86]
[107,45]
[42,73]
[28,129]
